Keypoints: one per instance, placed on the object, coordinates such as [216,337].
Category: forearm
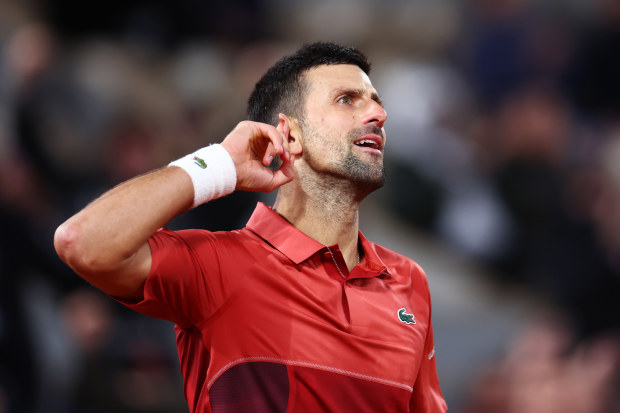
[109,231]
[106,242]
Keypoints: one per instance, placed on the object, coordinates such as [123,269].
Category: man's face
[342,127]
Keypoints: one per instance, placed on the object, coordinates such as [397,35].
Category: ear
[291,129]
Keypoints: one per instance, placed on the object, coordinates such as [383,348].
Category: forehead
[333,78]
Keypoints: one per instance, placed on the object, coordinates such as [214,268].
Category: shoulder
[388,255]
[397,263]
[201,238]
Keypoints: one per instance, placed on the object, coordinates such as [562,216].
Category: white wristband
[212,171]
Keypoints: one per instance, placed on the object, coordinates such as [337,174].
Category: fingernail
[269,159]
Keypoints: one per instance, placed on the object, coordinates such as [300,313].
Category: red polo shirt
[266,322]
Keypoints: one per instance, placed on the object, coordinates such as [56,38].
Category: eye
[346,100]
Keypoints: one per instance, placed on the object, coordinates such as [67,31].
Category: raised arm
[106,242]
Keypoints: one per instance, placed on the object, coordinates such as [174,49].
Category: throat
[331,226]
[328,223]
[321,208]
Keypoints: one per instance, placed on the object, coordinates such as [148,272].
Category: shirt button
[328,255]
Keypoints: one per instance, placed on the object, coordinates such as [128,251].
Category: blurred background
[503,165]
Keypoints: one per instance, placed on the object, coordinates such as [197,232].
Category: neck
[325,211]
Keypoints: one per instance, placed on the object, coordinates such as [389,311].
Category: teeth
[366,142]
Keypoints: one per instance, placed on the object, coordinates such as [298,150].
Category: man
[297,312]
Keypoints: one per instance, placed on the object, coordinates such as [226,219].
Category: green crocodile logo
[200,162]
[404,317]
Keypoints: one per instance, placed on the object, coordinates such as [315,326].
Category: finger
[270,153]
[284,130]
[285,173]
[287,167]
[284,127]
[280,142]
[282,176]
[273,134]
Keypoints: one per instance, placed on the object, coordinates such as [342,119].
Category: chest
[372,325]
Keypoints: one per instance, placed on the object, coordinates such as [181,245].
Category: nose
[375,113]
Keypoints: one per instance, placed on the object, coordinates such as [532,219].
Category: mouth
[370,141]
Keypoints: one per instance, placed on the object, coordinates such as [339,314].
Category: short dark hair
[281,89]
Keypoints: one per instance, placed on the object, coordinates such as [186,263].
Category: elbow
[67,244]
[73,248]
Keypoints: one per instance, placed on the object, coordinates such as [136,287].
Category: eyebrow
[359,92]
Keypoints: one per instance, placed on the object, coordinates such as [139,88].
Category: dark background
[503,165]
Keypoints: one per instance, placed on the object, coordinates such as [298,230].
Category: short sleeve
[176,288]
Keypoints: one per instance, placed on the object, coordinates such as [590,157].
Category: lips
[370,141]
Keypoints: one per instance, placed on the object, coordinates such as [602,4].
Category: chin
[373,185]
[368,178]
[372,174]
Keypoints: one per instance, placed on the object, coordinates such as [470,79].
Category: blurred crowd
[503,145]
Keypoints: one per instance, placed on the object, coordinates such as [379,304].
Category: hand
[252,146]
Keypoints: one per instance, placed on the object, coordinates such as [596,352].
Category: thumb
[285,173]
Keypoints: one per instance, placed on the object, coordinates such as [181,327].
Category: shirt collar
[296,245]
[371,259]
[270,226]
